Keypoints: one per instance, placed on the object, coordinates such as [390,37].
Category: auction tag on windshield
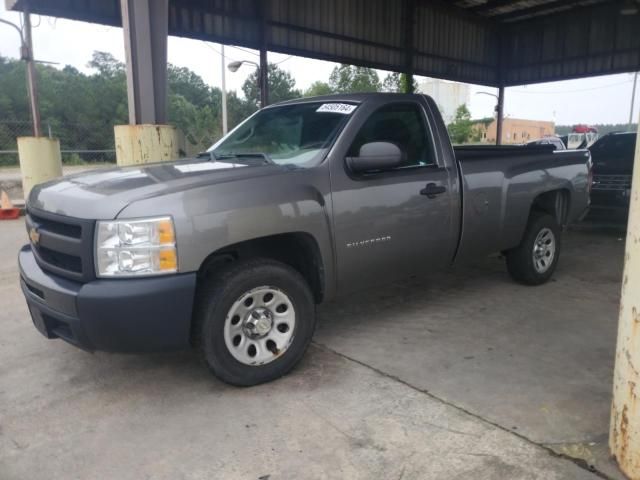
[343,108]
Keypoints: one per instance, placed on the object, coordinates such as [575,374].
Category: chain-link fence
[80,143]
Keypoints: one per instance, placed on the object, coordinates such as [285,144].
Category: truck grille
[62,245]
[611,182]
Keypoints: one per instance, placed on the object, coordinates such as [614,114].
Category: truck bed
[501,182]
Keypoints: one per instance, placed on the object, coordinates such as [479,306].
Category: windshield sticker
[343,108]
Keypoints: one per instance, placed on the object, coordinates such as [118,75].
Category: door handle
[432,190]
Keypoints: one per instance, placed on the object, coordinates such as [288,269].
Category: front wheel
[535,259]
[254,321]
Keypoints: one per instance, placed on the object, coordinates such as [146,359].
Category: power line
[219,52]
[244,50]
[284,60]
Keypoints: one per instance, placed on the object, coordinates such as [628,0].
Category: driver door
[386,224]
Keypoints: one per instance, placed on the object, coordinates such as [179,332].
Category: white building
[448,95]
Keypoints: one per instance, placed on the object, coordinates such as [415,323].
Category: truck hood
[102,194]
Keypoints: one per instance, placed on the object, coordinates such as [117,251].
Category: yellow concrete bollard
[140,144]
[624,437]
[40,161]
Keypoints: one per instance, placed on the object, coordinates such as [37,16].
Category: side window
[403,125]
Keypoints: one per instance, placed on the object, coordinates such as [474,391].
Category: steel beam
[537,10]
[145,24]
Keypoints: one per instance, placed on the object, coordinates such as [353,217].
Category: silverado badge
[34,235]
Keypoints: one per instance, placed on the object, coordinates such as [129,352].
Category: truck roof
[352,97]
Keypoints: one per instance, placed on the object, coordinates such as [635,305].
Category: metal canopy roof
[490,42]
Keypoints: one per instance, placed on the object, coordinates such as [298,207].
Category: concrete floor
[465,375]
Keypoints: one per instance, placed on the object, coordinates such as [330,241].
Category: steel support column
[499,115]
[145,24]
[263,72]
[408,22]
[624,439]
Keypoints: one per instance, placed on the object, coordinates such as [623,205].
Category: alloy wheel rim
[260,326]
[544,250]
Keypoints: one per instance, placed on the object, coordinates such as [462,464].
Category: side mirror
[375,156]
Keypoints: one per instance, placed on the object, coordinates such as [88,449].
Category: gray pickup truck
[306,199]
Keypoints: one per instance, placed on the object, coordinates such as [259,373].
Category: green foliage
[351,79]
[461,129]
[281,86]
[392,83]
[82,109]
[318,88]
[399,83]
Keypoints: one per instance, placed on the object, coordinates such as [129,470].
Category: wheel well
[299,250]
[555,203]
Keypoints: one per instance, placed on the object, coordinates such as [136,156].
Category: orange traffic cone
[7,210]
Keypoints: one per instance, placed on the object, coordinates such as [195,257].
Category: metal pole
[263,77]
[500,116]
[31,73]
[224,92]
[633,98]
[624,435]
[262,6]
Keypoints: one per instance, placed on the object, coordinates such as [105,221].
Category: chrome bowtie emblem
[34,235]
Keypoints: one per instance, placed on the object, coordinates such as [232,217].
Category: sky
[604,99]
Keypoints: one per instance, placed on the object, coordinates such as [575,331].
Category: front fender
[210,218]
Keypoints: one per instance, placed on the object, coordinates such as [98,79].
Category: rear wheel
[254,321]
[534,260]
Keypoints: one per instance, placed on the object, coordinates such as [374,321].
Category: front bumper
[119,315]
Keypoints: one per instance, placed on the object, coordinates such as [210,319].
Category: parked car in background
[305,200]
[581,136]
[612,157]
[550,140]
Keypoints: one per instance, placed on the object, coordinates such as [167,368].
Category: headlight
[136,247]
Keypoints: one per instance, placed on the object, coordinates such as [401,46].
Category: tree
[398,83]
[318,88]
[351,79]
[408,83]
[391,83]
[461,129]
[281,86]
[189,84]
[81,109]
[106,64]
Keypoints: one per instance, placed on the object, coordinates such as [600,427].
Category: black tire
[218,294]
[520,260]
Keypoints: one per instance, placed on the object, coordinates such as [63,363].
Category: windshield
[297,135]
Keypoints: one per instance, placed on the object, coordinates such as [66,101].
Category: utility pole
[499,109]
[263,76]
[27,55]
[224,93]
[499,115]
[633,98]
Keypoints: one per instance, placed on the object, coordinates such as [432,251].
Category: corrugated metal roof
[489,42]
